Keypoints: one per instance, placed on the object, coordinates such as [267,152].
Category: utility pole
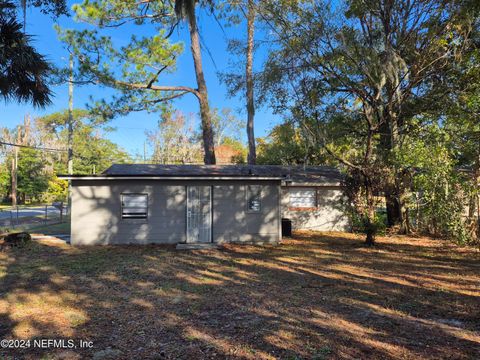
[20,140]
[144,152]
[70,118]
[14,177]
[70,130]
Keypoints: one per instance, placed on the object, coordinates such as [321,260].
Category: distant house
[203,204]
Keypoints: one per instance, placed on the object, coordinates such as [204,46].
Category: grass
[39,227]
[52,229]
[317,296]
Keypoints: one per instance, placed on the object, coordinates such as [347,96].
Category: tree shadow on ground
[315,296]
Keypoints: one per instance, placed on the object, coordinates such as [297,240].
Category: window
[303,197]
[254,198]
[134,206]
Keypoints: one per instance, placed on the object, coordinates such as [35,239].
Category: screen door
[199,214]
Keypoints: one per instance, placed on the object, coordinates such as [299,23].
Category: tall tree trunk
[400,188]
[389,187]
[252,155]
[402,207]
[207,130]
[370,226]
[473,203]
[391,203]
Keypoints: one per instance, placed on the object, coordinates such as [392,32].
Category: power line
[33,147]
[54,150]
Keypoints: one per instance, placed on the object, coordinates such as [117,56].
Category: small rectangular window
[303,197]
[254,198]
[134,206]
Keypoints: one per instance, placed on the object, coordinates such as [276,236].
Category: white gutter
[66,177]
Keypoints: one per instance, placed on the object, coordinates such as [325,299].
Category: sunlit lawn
[319,296]
[55,229]
[36,225]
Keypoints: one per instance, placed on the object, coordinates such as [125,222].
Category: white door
[199,214]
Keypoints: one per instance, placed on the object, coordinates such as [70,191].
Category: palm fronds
[23,71]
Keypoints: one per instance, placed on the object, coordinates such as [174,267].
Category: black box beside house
[286,227]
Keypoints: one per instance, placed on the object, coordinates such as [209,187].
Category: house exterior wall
[231,221]
[96,212]
[327,216]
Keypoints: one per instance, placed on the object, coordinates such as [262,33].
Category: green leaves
[24,72]
[134,67]
[32,179]
[90,147]
[362,78]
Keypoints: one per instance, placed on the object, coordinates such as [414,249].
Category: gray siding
[96,212]
[232,222]
[329,215]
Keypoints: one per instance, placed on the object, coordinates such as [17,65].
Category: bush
[16,239]
[57,190]
[442,205]
[360,223]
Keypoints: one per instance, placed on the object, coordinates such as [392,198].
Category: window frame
[248,197]
[134,218]
[303,208]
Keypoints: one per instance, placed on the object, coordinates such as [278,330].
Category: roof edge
[312,184]
[150,177]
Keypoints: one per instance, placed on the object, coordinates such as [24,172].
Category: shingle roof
[297,174]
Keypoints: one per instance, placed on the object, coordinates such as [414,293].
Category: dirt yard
[318,296]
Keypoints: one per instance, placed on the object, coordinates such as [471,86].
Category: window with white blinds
[134,206]
[302,197]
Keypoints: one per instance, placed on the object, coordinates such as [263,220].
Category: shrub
[17,239]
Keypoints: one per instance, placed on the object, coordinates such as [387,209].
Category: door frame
[210,214]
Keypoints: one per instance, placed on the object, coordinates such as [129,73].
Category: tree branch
[136,86]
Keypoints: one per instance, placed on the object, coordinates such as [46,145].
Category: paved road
[30,211]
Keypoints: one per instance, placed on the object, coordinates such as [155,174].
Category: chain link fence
[27,216]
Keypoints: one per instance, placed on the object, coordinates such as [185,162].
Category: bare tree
[174,142]
[186,9]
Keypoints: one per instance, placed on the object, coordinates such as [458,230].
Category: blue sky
[130,133]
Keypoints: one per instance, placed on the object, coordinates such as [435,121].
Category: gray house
[200,204]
